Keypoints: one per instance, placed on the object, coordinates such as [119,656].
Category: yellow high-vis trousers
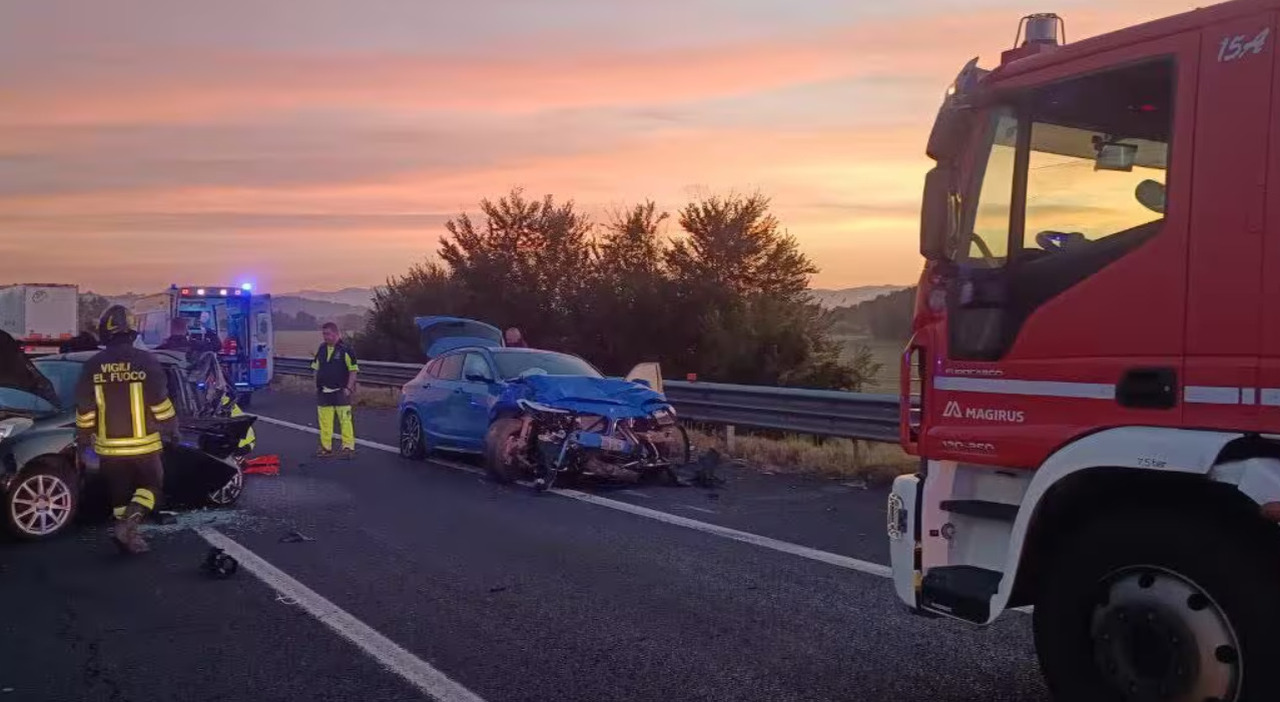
[345,423]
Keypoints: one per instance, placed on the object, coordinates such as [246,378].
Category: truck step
[983,509]
[961,591]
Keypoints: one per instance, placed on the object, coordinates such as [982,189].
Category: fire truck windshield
[1095,155]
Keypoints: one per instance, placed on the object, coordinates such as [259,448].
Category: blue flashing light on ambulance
[238,317]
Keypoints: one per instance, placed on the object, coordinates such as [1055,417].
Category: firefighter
[336,369]
[123,408]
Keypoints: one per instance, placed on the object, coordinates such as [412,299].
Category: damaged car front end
[47,483]
[554,428]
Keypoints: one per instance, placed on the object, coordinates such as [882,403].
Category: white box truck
[40,315]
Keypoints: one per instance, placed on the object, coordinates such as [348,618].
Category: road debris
[295,537]
[219,565]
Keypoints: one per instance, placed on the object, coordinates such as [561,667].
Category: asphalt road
[511,594]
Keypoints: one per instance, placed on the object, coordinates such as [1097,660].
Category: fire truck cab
[1096,357]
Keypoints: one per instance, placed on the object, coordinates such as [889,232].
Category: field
[886,353]
[297,343]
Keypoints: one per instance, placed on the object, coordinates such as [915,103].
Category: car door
[441,410]
[478,391]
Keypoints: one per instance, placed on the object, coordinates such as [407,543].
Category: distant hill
[849,297]
[321,309]
[288,305]
[886,317]
[351,297]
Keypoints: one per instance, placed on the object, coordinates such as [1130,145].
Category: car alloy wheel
[230,492]
[411,444]
[40,504]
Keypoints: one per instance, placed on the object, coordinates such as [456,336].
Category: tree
[389,333]
[628,290]
[90,311]
[525,264]
[736,246]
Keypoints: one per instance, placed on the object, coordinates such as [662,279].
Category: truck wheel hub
[1157,637]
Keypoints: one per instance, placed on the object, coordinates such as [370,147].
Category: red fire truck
[1096,357]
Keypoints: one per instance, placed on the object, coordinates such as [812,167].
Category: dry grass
[370,396]
[876,463]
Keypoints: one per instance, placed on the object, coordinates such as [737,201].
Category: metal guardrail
[820,412]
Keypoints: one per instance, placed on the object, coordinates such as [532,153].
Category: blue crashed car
[532,413]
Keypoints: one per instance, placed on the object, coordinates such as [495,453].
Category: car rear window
[63,375]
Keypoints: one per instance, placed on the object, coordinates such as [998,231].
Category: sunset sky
[323,143]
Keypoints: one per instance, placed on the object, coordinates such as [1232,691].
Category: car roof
[166,358]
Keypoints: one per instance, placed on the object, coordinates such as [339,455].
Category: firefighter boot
[126,531]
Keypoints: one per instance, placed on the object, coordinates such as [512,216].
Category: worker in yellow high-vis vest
[124,412]
[336,369]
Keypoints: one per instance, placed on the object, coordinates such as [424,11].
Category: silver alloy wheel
[410,435]
[228,493]
[40,504]
[1159,636]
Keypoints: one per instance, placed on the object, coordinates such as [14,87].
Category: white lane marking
[715,530]
[416,671]
[697,509]
[814,554]
[313,430]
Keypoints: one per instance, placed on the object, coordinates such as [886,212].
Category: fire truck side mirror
[936,214]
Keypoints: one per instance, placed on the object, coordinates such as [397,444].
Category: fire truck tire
[1163,605]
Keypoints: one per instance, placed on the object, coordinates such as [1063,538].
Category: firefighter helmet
[116,321]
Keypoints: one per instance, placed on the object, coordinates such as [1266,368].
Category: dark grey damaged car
[46,484]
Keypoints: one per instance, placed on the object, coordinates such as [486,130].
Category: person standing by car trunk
[336,369]
[124,411]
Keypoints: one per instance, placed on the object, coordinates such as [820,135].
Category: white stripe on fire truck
[1192,394]
[1035,388]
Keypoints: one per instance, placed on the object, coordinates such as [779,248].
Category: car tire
[1201,590]
[413,440]
[497,461]
[43,501]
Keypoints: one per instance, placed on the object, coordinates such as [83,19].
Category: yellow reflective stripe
[130,441]
[118,512]
[155,447]
[329,355]
[144,497]
[351,364]
[137,408]
[86,421]
[166,406]
[165,415]
[101,400]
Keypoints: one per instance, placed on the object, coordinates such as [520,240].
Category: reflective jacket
[249,439]
[333,366]
[122,400]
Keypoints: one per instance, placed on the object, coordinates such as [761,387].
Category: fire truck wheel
[1160,605]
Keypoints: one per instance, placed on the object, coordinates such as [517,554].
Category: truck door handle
[1148,388]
